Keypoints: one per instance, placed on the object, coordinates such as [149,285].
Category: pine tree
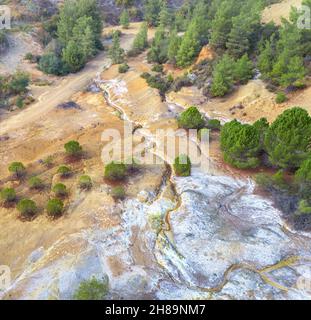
[173,47]
[116,53]
[266,58]
[189,47]
[238,43]
[243,70]
[159,47]
[141,40]
[223,77]
[73,56]
[152,10]
[164,16]
[125,19]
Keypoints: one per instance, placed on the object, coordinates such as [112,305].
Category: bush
[50,63]
[19,102]
[213,124]
[17,168]
[60,190]
[240,144]
[48,161]
[73,148]
[191,119]
[123,68]
[29,56]
[8,195]
[64,171]
[19,82]
[287,140]
[280,98]
[55,207]
[157,68]
[85,182]
[115,171]
[182,166]
[27,208]
[92,289]
[118,193]
[35,183]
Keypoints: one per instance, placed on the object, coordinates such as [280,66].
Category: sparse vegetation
[182,166]
[35,183]
[280,97]
[8,195]
[73,148]
[64,171]
[55,208]
[118,193]
[27,208]
[85,182]
[191,119]
[18,169]
[60,190]
[115,171]
[92,289]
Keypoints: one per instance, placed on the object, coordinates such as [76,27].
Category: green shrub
[213,124]
[73,148]
[35,183]
[8,195]
[48,161]
[29,56]
[118,193]
[280,97]
[240,144]
[19,82]
[27,208]
[64,171]
[50,63]
[123,68]
[287,140]
[17,168]
[157,68]
[92,289]
[115,171]
[85,182]
[304,208]
[19,102]
[182,166]
[60,190]
[54,207]
[191,119]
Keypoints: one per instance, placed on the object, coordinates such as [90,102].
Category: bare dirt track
[276,11]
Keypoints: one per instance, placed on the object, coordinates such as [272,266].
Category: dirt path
[62,90]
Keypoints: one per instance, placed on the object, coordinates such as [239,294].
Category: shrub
[213,124]
[17,168]
[123,68]
[64,171]
[27,208]
[125,19]
[191,119]
[29,56]
[8,195]
[240,144]
[157,68]
[182,166]
[115,171]
[304,208]
[54,207]
[280,97]
[73,148]
[287,140]
[35,183]
[19,82]
[19,102]
[85,182]
[50,63]
[118,193]
[48,161]
[92,289]
[303,179]
[60,190]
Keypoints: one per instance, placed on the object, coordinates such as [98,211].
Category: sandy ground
[278,10]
